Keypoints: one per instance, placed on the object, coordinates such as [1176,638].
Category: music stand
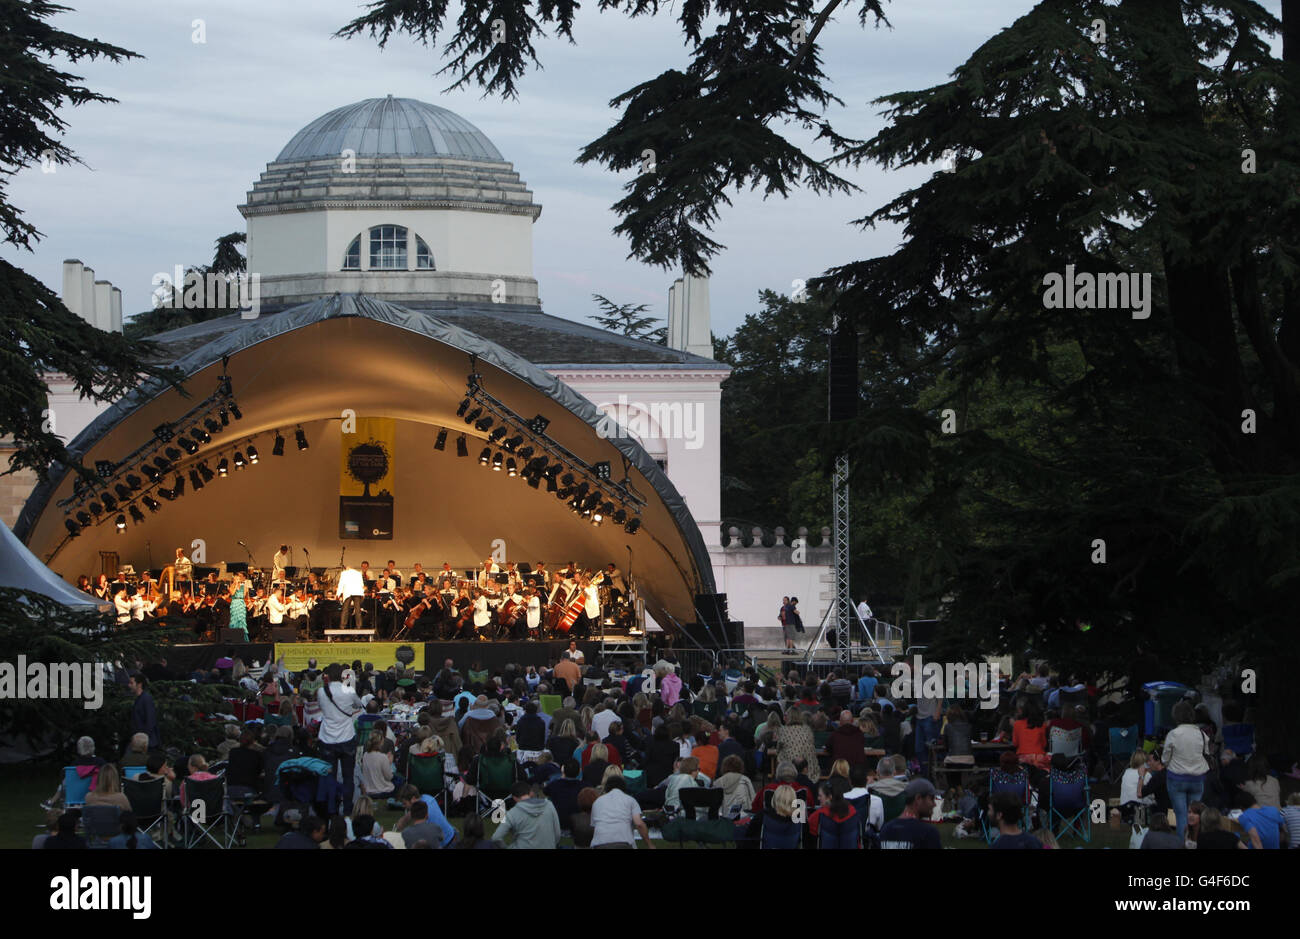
[502,578]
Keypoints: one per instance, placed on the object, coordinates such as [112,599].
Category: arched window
[423,256]
[388,248]
[352,259]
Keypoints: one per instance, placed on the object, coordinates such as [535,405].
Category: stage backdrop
[366,478]
[379,654]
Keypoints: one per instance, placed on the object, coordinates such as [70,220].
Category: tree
[38,334]
[628,320]
[228,262]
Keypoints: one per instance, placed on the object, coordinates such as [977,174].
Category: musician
[591,607]
[417,574]
[540,570]
[617,586]
[102,590]
[122,605]
[141,604]
[534,616]
[277,607]
[83,584]
[390,578]
[351,590]
[300,605]
[183,570]
[481,615]
[366,577]
[279,562]
[392,606]
[147,585]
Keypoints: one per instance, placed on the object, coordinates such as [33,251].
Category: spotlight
[512,468]
[225,417]
[152,504]
[550,483]
[239,460]
[582,491]
[152,472]
[189,445]
[464,406]
[563,495]
[441,442]
[252,454]
[535,481]
[513,442]
[485,457]
[538,425]
[591,501]
[607,508]
[278,448]
[223,468]
[462,446]
[620,516]
[164,432]
[526,453]
[110,504]
[196,483]
[122,491]
[485,422]
[201,435]
[602,470]
[173,455]
[167,494]
[473,415]
[178,485]
[163,463]
[632,525]
[84,519]
[206,472]
[120,522]
[73,528]
[134,481]
[567,479]
[96,509]
[496,463]
[301,437]
[212,426]
[496,434]
[136,515]
[223,385]
[235,412]
[104,469]
[596,519]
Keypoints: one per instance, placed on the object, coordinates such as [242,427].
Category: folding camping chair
[780,833]
[1123,742]
[427,773]
[1015,783]
[1067,803]
[100,822]
[833,834]
[496,777]
[204,810]
[1240,739]
[146,798]
[1066,742]
[76,786]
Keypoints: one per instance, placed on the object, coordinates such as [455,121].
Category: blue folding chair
[1068,804]
[1240,739]
[1123,742]
[132,772]
[834,834]
[1015,783]
[780,833]
[76,787]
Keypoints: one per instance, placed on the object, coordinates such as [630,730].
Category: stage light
[201,435]
[104,469]
[167,494]
[196,483]
[487,421]
[189,445]
[513,442]
[564,495]
[620,516]
[496,463]
[441,442]
[567,479]
[473,415]
[462,446]
[239,460]
[535,481]
[164,432]
[73,528]
[152,504]
[122,491]
[607,509]
[512,468]
[526,453]
[84,519]
[591,501]
[496,434]
[212,426]
[206,472]
[173,455]
[582,490]
[602,470]
[120,522]
[301,437]
[464,406]
[235,412]
[485,457]
[550,483]
[136,515]
[152,472]
[178,485]
[225,417]
[163,463]
[223,386]
[278,448]
[78,484]
[538,425]
[110,504]
[596,519]
[134,481]
[96,509]
[632,525]
[252,454]
[223,468]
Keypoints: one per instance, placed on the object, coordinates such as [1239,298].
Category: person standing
[238,605]
[533,820]
[1185,764]
[279,562]
[144,713]
[339,705]
[351,590]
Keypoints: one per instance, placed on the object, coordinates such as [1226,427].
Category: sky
[196,124]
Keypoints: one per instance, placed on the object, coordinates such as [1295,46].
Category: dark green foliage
[228,261]
[629,320]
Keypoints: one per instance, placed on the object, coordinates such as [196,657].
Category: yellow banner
[379,654]
[366,478]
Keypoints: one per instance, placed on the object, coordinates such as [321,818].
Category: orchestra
[496,600]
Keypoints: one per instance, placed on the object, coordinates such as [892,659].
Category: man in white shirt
[183,569]
[351,589]
[122,606]
[615,815]
[339,706]
[600,723]
[279,562]
[390,578]
[575,653]
[864,611]
[276,608]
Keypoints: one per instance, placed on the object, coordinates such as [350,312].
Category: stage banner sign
[380,654]
[366,478]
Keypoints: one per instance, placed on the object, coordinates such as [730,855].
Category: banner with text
[379,654]
[366,478]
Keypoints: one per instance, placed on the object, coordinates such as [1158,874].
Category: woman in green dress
[238,607]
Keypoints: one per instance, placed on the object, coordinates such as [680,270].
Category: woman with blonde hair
[610,771]
[377,777]
[585,716]
[783,801]
[795,742]
[563,742]
[108,789]
[364,805]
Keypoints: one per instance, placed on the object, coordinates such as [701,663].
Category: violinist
[533,618]
[102,590]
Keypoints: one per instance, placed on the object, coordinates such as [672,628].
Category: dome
[379,127]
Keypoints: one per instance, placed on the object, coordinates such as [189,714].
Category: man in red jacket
[847,741]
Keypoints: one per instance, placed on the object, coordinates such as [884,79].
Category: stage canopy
[313,366]
[22,570]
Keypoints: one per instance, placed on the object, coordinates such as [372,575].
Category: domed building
[400,329]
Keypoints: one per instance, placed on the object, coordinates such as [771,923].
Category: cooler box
[1158,706]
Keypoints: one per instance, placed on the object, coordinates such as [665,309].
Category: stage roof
[306,366]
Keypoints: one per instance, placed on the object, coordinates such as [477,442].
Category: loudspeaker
[284,634]
[842,372]
[231,635]
[711,608]
[725,635]
[922,632]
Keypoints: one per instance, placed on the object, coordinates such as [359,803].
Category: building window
[388,248]
[352,259]
[423,256]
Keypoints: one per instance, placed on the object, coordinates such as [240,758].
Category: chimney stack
[97,302]
[688,316]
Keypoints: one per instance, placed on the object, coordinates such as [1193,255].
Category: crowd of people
[604,757]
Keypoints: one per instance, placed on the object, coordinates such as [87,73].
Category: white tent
[22,570]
